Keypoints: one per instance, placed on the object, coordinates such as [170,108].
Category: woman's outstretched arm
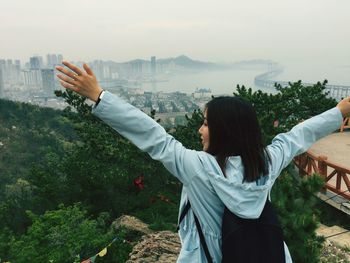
[132,123]
[286,146]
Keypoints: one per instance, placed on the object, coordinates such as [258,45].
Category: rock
[131,223]
[335,247]
[161,247]
[332,253]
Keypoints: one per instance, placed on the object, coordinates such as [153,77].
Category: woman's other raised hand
[81,81]
[344,107]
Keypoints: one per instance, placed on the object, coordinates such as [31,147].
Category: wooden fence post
[322,169]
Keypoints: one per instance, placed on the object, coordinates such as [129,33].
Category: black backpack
[247,240]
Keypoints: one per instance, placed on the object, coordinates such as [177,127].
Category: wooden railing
[337,178]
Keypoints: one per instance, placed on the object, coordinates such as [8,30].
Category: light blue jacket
[203,181]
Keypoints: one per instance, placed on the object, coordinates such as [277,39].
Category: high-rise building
[3,68]
[53,60]
[41,61]
[26,77]
[136,67]
[17,71]
[48,81]
[36,62]
[2,84]
[49,60]
[97,67]
[8,74]
[33,78]
[153,65]
[59,59]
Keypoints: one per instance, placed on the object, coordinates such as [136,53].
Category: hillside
[68,176]
[27,134]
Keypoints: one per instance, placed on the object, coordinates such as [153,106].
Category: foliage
[188,133]
[295,202]
[287,107]
[6,240]
[61,235]
[18,198]
[99,170]
[28,135]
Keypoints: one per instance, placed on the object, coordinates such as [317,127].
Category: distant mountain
[187,62]
[191,64]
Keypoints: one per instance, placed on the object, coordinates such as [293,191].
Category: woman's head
[234,129]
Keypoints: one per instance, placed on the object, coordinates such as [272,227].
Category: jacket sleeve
[286,146]
[147,135]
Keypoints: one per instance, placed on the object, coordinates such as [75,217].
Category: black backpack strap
[202,239]
[183,214]
[199,229]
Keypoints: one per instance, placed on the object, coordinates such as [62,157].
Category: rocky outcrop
[161,247]
[335,247]
[131,223]
[164,246]
[333,253]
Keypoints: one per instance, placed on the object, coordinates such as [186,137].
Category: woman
[233,170]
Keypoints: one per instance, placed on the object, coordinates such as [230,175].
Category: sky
[286,31]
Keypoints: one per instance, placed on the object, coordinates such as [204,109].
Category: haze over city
[292,31]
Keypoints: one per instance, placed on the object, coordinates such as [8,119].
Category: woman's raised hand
[81,81]
[344,107]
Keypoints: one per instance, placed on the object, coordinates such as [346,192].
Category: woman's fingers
[68,86]
[67,72]
[88,69]
[73,68]
[67,79]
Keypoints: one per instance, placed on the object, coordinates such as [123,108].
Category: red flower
[138,182]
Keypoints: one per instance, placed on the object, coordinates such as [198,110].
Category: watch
[100,97]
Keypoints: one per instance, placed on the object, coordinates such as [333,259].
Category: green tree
[63,235]
[295,202]
[99,170]
[289,106]
[188,134]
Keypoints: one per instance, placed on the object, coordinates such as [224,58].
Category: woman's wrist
[94,97]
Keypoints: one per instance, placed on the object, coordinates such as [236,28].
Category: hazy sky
[296,31]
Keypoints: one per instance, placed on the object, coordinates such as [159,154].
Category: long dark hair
[234,130]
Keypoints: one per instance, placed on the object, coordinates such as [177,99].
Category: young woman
[233,170]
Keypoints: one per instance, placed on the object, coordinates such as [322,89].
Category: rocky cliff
[161,246]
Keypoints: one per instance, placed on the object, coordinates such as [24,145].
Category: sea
[226,81]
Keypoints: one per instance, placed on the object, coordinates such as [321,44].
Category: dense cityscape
[35,81]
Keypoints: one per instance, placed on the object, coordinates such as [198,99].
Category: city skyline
[221,31]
